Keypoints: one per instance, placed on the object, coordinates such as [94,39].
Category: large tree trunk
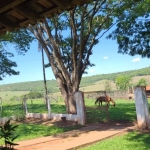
[69,100]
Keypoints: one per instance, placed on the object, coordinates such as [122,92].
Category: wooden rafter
[7,23]
[11,5]
[27,12]
[62,4]
[15,14]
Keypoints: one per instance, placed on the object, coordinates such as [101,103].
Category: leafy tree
[107,85]
[142,82]
[123,82]
[68,40]
[21,40]
[34,94]
[133,29]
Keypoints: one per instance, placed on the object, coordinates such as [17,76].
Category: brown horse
[106,99]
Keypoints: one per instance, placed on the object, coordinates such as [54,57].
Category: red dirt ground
[69,136]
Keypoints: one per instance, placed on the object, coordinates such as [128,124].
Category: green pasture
[131,141]
[124,111]
[7,95]
[15,108]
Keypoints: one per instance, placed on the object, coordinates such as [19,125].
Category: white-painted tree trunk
[142,110]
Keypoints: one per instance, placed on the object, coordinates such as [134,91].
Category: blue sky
[105,58]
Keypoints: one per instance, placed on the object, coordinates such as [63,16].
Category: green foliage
[21,39]
[7,132]
[123,82]
[107,86]
[34,95]
[133,26]
[142,82]
[6,65]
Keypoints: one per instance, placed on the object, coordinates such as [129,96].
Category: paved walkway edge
[124,131]
[85,137]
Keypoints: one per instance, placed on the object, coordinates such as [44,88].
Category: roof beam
[61,3]
[10,5]
[27,12]
[7,23]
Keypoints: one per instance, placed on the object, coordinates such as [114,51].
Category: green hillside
[86,83]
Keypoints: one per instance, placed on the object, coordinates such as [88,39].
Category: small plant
[7,132]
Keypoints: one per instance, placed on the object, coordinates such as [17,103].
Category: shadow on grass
[140,140]
[10,110]
[31,131]
[130,141]
[123,112]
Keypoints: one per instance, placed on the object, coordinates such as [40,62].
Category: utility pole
[45,85]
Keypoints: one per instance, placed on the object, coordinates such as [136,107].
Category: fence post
[49,107]
[79,96]
[141,104]
[25,106]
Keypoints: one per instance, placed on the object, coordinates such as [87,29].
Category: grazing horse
[106,99]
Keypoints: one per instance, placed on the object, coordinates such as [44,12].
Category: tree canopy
[21,40]
[123,82]
[133,28]
[68,40]
[142,82]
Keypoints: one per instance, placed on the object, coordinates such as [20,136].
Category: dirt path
[76,138]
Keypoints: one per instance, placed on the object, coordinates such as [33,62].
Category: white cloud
[105,57]
[136,59]
[92,70]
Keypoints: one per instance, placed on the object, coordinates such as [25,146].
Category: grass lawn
[123,112]
[36,106]
[32,131]
[130,141]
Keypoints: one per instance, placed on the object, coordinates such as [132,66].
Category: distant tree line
[86,81]
[30,95]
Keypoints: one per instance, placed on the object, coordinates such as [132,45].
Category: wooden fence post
[141,104]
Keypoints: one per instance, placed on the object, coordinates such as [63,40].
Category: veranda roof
[15,14]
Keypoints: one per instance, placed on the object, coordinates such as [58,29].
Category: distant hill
[86,82]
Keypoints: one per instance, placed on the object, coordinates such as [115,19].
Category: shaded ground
[76,138]
[49,122]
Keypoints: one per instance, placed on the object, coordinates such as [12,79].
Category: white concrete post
[79,97]
[141,104]
[48,106]
[25,106]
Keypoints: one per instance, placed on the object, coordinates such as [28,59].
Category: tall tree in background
[107,85]
[68,40]
[123,82]
[142,82]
